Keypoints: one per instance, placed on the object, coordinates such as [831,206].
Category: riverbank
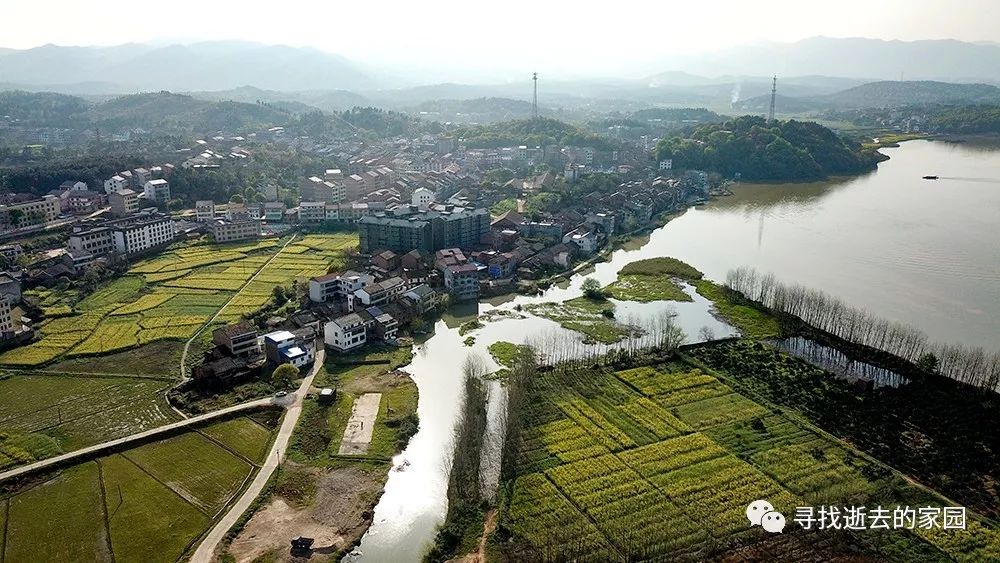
[319,491]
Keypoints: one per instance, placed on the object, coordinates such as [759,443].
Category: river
[922,252]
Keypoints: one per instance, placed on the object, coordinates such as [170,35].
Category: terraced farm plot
[150,511]
[243,436]
[193,282]
[599,460]
[81,411]
[60,520]
[148,522]
[194,467]
[719,410]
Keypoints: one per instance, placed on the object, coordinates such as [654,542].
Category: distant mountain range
[815,73]
[874,59]
[881,94]
[214,65]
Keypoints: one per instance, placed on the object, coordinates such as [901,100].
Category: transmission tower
[774,91]
[534,103]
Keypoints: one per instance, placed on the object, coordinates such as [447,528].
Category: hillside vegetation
[782,151]
[900,93]
[966,119]
[531,132]
[169,113]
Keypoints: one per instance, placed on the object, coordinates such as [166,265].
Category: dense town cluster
[421,207]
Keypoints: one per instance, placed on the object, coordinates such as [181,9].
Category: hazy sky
[575,36]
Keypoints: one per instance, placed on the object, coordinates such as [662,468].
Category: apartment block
[224,230]
[157,190]
[405,228]
[28,213]
[312,211]
[318,189]
[124,202]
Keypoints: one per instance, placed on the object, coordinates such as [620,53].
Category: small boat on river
[930,177]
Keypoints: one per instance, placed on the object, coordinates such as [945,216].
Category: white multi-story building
[380,293]
[204,210]
[284,347]
[6,318]
[462,281]
[223,230]
[274,212]
[337,285]
[312,211]
[116,183]
[97,241]
[127,236]
[143,235]
[422,197]
[346,333]
[157,190]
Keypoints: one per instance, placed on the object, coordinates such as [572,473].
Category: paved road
[142,436]
[206,550]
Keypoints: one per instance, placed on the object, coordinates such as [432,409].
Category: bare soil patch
[338,515]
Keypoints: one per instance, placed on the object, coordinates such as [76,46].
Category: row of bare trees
[465,492]
[970,365]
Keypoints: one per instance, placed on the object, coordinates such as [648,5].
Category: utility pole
[534,103]
[774,91]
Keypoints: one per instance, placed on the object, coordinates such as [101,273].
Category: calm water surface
[922,252]
[926,253]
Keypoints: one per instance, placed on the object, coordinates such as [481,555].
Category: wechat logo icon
[762,513]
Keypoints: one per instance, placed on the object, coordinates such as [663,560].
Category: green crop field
[58,520]
[72,412]
[172,296]
[242,436]
[660,462]
[194,467]
[147,504]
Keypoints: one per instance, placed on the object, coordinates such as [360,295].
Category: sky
[576,36]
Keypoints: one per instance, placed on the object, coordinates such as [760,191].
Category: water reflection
[835,362]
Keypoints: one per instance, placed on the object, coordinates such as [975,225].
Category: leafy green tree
[929,363]
[592,289]
[284,374]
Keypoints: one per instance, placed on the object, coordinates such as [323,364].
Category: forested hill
[899,93]
[780,151]
[169,113]
[531,132]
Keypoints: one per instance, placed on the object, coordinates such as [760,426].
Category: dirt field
[336,517]
[358,433]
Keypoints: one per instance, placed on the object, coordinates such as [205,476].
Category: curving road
[206,551]
[140,437]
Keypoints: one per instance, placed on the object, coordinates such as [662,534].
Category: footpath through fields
[206,550]
[140,437]
[208,323]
